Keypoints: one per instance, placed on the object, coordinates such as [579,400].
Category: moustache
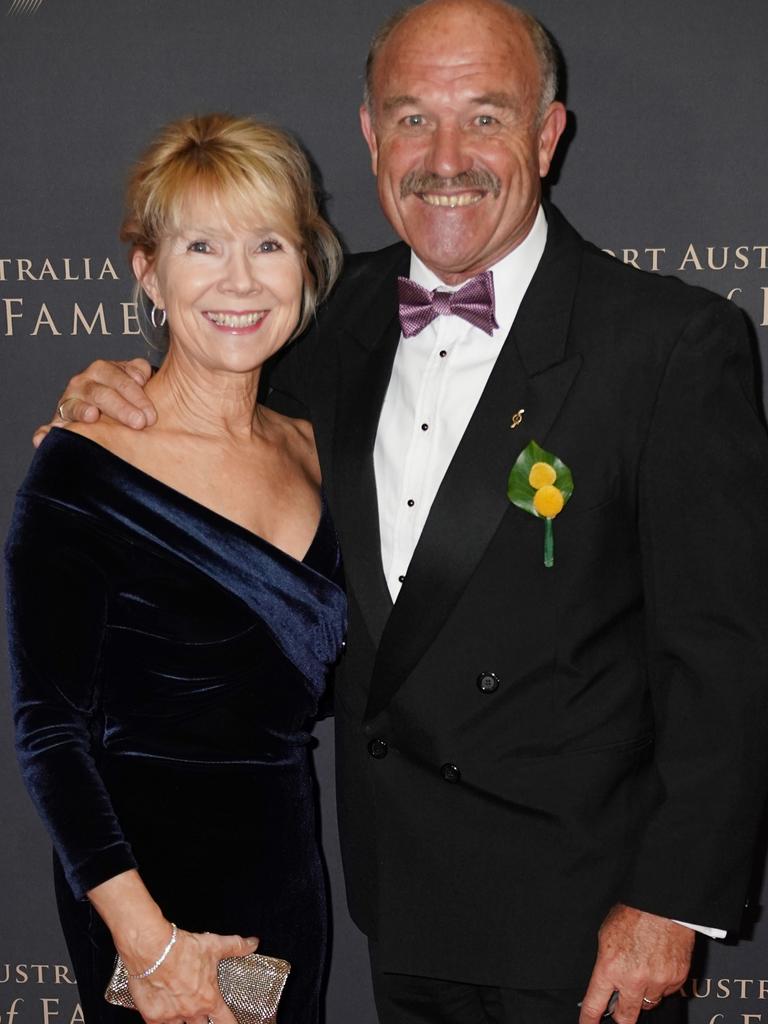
[420,181]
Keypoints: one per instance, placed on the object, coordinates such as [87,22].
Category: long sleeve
[703,496]
[57,607]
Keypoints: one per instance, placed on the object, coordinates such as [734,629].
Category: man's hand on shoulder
[641,956]
[116,389]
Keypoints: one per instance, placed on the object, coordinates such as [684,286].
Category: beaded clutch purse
[250,985]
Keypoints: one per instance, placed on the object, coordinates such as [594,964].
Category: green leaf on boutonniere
[540,483]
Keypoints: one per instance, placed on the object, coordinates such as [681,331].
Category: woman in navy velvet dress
[163,700]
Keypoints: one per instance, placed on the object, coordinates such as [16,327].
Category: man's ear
[370,136]
[552,127]
[144,272]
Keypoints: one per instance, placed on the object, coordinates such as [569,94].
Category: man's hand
[116,389]
[641,956]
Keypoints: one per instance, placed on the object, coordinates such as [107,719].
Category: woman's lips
[236,321]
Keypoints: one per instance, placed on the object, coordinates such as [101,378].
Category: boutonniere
[541,484]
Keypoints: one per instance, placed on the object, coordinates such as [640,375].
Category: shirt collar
[511,275]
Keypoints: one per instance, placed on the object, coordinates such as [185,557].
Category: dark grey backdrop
[666,161]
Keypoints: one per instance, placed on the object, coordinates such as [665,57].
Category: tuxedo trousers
[409,999]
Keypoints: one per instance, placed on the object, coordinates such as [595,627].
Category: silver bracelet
[160,959]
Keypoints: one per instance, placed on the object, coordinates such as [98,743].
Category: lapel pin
[517,419]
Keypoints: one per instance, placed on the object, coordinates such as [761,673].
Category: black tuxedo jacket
[521,747]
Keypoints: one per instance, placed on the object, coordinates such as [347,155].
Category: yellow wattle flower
[548,501]
[541,475]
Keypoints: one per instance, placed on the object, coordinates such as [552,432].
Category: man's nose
[447,156]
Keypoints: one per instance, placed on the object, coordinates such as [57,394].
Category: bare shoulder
[298,437]
[304,433]
[292,431]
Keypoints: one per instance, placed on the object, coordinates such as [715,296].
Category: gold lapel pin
[517,419]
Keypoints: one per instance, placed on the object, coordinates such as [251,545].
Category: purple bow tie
[473,302]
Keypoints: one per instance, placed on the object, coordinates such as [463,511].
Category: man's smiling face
[455,135]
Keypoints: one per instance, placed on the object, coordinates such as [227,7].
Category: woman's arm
[55,650]
[184,987]
[57,603]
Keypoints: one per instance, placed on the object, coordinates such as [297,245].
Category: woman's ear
[144,272]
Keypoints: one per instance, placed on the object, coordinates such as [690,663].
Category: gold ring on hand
[62,403]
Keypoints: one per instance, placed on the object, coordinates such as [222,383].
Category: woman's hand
[185,987]
[116,389]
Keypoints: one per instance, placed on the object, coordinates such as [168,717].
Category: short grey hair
[543,44]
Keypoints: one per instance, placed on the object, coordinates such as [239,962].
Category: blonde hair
[254,170]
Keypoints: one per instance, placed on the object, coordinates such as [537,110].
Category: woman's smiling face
[232,291]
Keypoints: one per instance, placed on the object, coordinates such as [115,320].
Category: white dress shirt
[437,379]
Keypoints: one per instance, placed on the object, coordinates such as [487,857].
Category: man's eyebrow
[496,99]
[501,99]
[404,100]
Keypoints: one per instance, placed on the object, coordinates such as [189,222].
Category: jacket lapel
[368,337]
[531,374]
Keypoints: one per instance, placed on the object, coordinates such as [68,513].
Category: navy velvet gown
[167,666]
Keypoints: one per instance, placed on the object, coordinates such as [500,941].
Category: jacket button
[378,749]
[450,773]
[488,682]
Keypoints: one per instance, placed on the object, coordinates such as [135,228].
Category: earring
[163,316]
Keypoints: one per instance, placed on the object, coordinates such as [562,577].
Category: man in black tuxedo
[541,770]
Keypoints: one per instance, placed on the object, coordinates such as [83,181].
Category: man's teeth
[232,320]
[463,199]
